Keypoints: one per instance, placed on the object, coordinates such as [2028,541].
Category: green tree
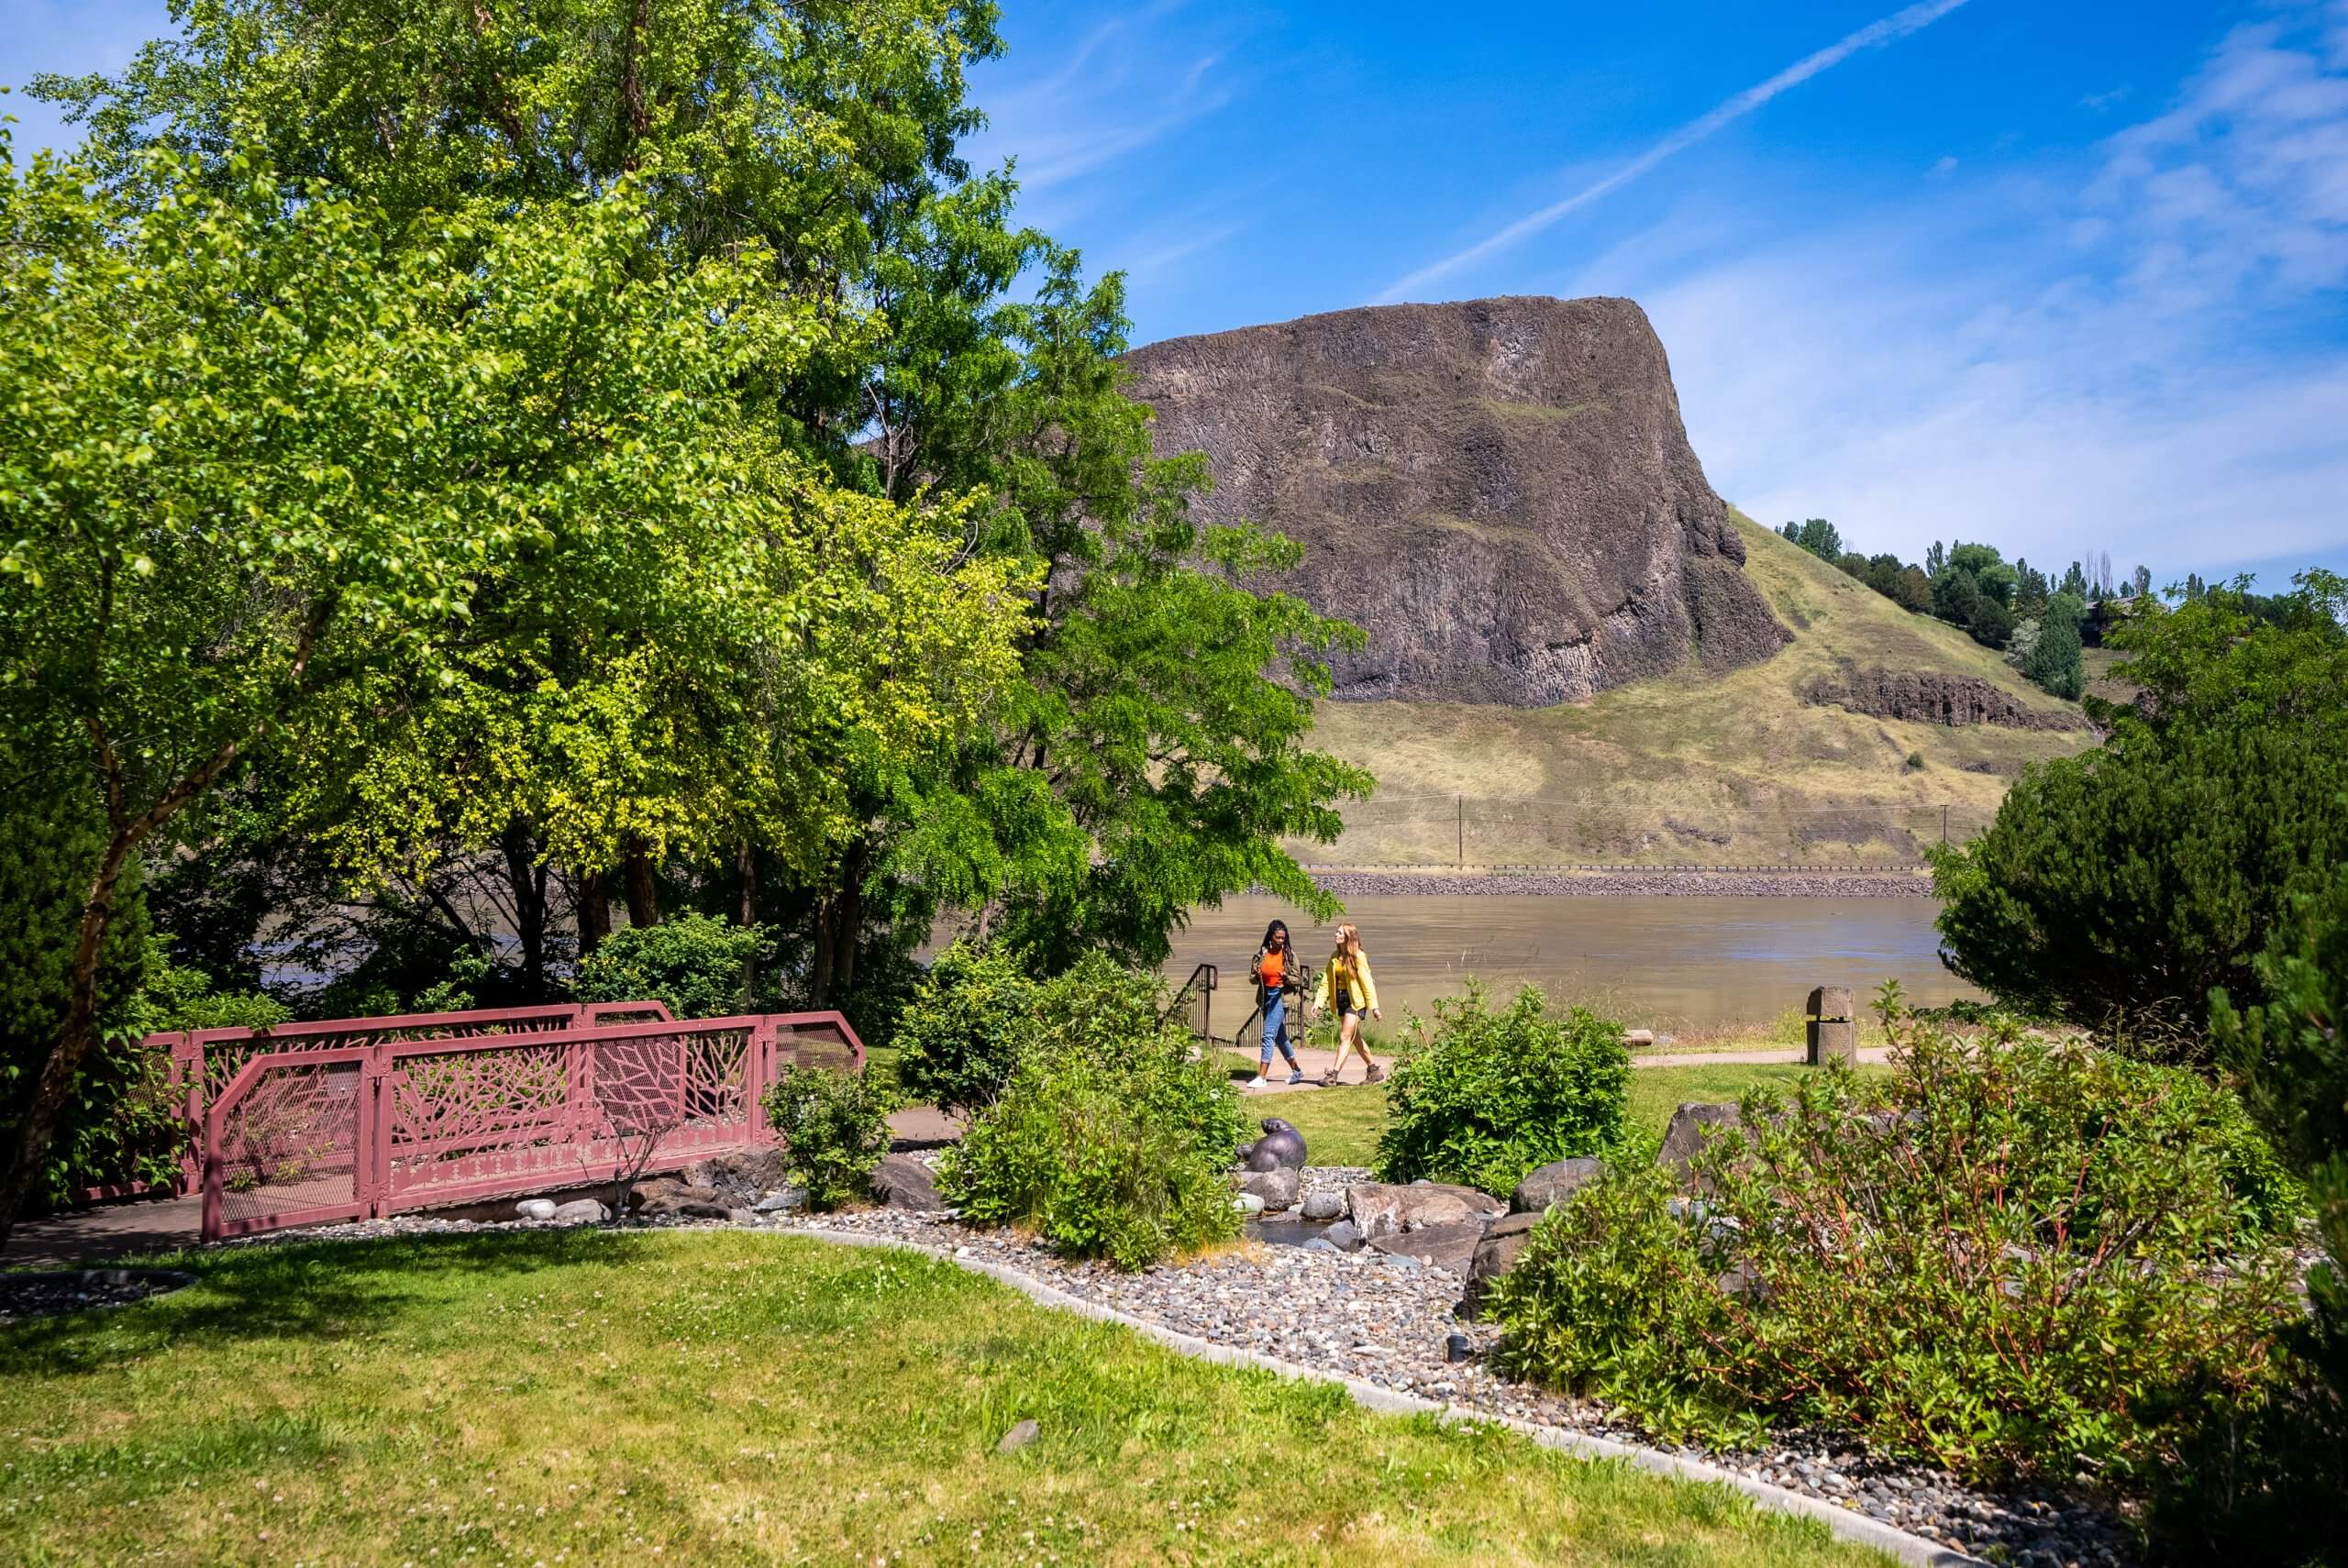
[2289,1052]
[2115,890]
[2055,663]
[1935,560]
[275,468]
[1817,536]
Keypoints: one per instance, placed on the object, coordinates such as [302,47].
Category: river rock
[536,1208]
[1324,1205]
[1281,1147]
[742,1172]
[781,1199]
[901,1181]
[1686,1133]
[1344,1235]
[1276,1187]
[1495,1253]
[1437,1246]
[1551,1184]
[1383,1210]
[668,1196]
[1248,1203]
[579,1210]
[742,1215]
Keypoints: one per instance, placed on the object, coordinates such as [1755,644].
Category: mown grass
[1721,767]
[1341,1125]
[705,1397]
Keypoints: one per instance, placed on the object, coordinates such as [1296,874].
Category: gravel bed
[1773,884]
[24,1296]
[1385,1319]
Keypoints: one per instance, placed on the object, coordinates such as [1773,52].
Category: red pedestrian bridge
[304,1123]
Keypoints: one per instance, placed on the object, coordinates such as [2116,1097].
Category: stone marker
[1833,1036]
[1019,1437]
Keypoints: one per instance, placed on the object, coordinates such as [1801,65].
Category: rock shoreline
[1628,883]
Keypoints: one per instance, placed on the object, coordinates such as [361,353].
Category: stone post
[1834,1034]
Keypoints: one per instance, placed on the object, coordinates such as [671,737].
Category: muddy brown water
[1667,962]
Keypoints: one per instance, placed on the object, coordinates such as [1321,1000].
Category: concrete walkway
[82,1237]
[1787,1056]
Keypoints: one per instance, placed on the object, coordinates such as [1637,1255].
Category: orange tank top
[1272,968]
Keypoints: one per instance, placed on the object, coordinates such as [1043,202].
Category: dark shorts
[1349,1004]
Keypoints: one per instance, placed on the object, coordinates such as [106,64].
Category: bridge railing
[346,1130]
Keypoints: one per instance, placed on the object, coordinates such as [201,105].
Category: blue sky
[2067,278]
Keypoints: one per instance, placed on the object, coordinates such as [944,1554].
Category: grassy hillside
[1699,766]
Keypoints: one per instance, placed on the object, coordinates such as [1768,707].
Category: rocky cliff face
[1935,699]
[1500,491]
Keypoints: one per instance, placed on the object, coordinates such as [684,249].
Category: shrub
[1113,1136]
[834,1128]
[2016,1255]
[2114,890]
[2054,662]
[2271,1484]
[958,1038]
[1494,1095]
[695,963]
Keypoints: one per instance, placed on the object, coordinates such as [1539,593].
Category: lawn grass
[572,1398]
[1341,1125]
[1719,767]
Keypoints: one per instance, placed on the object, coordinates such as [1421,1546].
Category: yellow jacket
[1364,989]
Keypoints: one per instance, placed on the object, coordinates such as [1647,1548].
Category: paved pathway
[1791,1055]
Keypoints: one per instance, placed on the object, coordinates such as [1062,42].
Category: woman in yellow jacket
[1346,986]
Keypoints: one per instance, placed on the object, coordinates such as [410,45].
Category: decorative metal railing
[340,1131]
[203,1060]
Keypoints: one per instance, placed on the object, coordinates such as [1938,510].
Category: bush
[2114,890]
[696,963]
[958,1038]
[1113,1136]
[834,1128]
[2054,662]
[1494,1095]
[2015,1255]
[2264,1485]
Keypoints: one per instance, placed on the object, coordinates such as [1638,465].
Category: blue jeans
[1274,1016]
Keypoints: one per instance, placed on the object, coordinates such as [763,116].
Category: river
[1667,963]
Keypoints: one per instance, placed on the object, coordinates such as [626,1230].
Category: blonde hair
[1348,941]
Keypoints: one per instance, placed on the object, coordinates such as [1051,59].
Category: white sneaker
[1256,1082]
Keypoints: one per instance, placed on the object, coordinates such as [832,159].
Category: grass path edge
[1858,1528]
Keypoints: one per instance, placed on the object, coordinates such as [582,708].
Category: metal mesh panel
[290,1145]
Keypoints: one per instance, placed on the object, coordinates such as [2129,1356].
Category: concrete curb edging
[1855,1528]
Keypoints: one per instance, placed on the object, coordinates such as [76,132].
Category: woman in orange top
[1346,986]
[1274,980]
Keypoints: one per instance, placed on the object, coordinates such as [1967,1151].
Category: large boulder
[901,1181]
[1281,1146]
[581,1209]
[1495,1253]
[1686,1133]
[1381,1209]
[744,1172]
[1437,1246]
[1278,1186]
[1553,1184]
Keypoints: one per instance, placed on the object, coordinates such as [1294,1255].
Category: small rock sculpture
[1281,1146]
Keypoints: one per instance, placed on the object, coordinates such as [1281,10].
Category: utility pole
[1459,822]
[1943,823]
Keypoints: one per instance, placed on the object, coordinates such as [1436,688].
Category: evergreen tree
[2055,663]
[2075,582]
[1935,560]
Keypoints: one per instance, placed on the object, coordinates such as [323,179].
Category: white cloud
[2144,357]
[1897,26]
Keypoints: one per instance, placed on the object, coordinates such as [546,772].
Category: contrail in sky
[1897,26]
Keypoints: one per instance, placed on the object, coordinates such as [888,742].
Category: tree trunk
[745,865]
[529,881]
[643,906]
[75,1037]
[595,910]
